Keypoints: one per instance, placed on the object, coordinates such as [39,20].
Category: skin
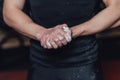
[109,3]
[17,19]
[105,19]
[55,36]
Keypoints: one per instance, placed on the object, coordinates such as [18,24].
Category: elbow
[117,10]
[115,4]
[6,17]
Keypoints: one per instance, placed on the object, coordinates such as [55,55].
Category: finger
[47,43]
[65,35]
[59,43]
[64,42]
[43,41]
[68,37]
[62,25]
[58,26]
[45,46]
[68,33]
[54,45]
[67,29]
[60,37]
[57,39]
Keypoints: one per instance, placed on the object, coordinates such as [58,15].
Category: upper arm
[13,8]
[8,4]
[114,5]
[112,2]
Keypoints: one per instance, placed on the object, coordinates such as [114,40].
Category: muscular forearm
[18,20]
[103,20]
[117,24]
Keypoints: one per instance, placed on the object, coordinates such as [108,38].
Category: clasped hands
[56,37]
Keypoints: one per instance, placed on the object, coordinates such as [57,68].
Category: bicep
[19,4]
[112,2]
[115,4]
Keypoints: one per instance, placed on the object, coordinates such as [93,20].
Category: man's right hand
[56,37]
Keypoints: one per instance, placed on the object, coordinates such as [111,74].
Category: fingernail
[54,45]
[45,46]
[48,43]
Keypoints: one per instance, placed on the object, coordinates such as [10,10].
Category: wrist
[77,31]
[38,35]
[36,30]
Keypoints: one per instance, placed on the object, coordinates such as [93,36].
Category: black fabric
[49,13]
[1,8]
[85,72]
[54,12]
[80,52]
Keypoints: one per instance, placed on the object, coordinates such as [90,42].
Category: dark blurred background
[14,50]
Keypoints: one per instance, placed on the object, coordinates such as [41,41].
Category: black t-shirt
[48,13]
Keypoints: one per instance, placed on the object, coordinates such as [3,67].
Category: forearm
[18,20]
[117,24]
[103,20]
